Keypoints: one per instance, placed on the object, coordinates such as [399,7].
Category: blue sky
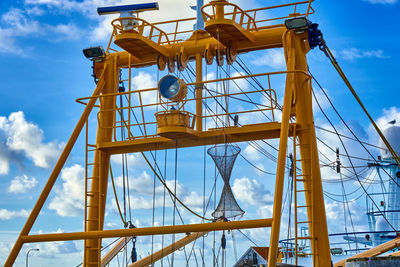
[44,71]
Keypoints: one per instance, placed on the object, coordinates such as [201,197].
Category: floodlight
[95,53]
[172,88]
[300,23]
[127,8]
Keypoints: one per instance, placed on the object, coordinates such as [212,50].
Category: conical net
[224,157]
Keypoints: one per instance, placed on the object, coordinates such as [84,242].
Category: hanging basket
[173,118]
[175,124]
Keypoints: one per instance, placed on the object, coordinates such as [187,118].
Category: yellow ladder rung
[303,159]
[303,190]
[89,248]
[304,222]
[301,175]
[304,206]
[305,238]
[92,206]
[300,180]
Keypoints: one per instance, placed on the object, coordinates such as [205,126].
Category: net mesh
[224,157]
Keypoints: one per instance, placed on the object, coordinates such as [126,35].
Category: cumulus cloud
[144,80]
[251,191]
[21,184]
[388,115]
[335,213]
[18,23]
[382,1]
[52,249]
[8,214]
[273,58]
[69,199]
[26,138]
[352,54]
[251,153]
[142,190]
[134,159]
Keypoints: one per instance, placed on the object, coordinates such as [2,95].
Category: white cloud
[27,137]
[382,1]
[251,153]
[51,249]
[144,80]
[68,31]
[393,113]
[251,191]
[335,213]
[134,159]
[69,200]
[388,115]
[352,54]
[142,190]
[238,85]
[21,23]
[21,184]
[273,58]
[8,215]
[322,100]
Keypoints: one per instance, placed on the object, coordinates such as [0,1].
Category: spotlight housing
[298,24]
[172,88]
[95,53]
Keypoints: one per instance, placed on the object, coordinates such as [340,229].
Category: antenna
[127,8]
[199,17]
[126,11]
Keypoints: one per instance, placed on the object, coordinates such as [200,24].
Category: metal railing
[222,100]
[260,18]
[175,31]
[231,12]
[142,27]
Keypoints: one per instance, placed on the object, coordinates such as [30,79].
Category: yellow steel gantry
[229,30]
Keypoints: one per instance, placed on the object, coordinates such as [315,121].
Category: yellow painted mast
[226,32]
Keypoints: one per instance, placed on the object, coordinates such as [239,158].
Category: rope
[169,190]
[330,56]
[351,163]
[116,198]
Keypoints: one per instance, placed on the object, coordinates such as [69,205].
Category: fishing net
[224,157]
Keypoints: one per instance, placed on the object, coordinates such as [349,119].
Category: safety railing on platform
[229,11]
[175,31]
[225,104]
[142,27]
[259,18]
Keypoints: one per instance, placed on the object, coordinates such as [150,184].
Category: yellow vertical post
[280,173]
[98,191]
[309,156]
[219,9]
[54,174]
[199,92]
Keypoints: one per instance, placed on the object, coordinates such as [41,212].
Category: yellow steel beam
[158,230]
[281,167]
[199,92]
[310,168]
[114,251]
[263,39]
[53,176]
[146,261]
[101,166]
[260,131]
[378,250]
